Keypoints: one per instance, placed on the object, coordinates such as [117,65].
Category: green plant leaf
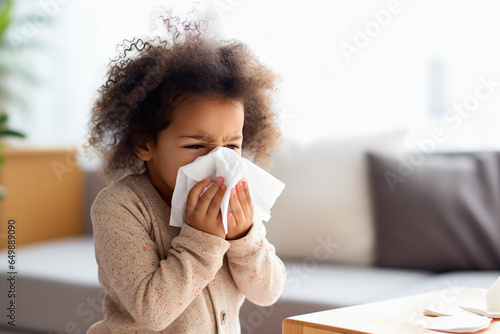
[11,133]
[2,160]
[3,118]
[5,16]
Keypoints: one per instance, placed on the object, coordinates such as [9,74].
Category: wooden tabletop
[395,316]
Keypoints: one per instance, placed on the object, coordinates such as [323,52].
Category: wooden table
[395,316]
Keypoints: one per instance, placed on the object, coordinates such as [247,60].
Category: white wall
[381,82]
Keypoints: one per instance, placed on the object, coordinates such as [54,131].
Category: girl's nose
[210,148]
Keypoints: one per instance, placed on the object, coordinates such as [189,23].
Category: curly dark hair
[141,91]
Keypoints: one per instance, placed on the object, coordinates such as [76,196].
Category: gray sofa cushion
[58,287]
[443,214]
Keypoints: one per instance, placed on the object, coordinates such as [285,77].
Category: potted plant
[45,188]
[5,20]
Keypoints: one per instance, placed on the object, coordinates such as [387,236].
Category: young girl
[160,109]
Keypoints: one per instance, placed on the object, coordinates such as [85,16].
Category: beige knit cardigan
[164,279]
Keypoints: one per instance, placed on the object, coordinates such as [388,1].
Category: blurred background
[347,67]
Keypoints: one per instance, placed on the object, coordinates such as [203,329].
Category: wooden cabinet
[44,195]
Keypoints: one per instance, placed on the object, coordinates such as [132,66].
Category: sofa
[354,225]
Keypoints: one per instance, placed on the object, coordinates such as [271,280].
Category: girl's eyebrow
[197,137]
[206,138]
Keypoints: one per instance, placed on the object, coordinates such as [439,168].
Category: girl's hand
[203,212]
[240,219]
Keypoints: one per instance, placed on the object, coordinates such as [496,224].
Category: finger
[220,225]
[209,194]
[247,193]
[214,208]
[194,194]
[244,196]
[231,222]
[236,207]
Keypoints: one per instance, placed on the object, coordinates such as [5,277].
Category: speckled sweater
[164,279]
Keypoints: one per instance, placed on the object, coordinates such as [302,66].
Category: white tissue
[455,323]
[493,298]
[491,305]
[263,187]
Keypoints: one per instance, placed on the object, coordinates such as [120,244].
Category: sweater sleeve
[154,291]
[256,269]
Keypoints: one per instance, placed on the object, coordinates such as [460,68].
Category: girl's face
[199,124]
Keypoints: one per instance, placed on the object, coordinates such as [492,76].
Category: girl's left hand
[240,219]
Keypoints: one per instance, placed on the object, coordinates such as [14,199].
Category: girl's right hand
[203,212]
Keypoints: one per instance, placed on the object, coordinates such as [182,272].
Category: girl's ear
[145,153]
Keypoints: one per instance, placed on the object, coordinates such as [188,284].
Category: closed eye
[194,147]
[199,146]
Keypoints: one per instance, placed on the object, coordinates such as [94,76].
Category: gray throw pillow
[437,212]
